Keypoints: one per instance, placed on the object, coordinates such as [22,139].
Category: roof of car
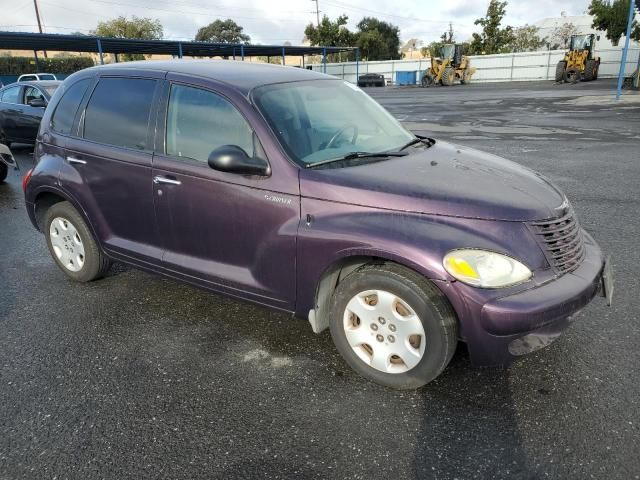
[243,75]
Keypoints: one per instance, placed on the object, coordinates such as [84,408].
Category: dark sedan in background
[22,106]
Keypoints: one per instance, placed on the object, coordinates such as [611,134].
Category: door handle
[76,160]
[170,181]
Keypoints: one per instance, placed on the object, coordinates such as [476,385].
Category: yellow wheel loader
[450,67]
[579,63]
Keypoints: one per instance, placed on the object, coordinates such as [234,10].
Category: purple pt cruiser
[297,191]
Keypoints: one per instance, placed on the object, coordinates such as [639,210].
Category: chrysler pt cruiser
[297,191]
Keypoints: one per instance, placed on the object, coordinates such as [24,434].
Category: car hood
[444,179]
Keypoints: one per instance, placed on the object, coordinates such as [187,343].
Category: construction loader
[579,63]
[450,67]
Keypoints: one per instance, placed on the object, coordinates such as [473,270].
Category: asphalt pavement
[136,376]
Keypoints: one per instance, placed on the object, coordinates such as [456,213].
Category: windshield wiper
[354,155]
[429,142]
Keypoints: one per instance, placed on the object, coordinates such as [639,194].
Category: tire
[595,73]
[572,75]
[374,345]
[72,245]
[427,80]
[560,67]
[448,76]
[466,79]
[589,70]
[4,171]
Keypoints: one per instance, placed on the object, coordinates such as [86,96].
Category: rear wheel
[72,245]
[560,67]
[4,171]
[393,326]
[590,70]
[448,76]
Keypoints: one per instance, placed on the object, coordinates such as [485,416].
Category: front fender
[335,231]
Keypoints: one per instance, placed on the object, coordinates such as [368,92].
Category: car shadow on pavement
[469,427]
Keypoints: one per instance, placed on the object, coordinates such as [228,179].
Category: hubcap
[67,244]
[384,331]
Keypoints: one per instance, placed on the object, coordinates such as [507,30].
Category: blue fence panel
[406,77]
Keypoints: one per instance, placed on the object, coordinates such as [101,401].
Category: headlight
[481,268]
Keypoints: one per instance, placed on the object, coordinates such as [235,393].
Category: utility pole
[317,12]
[35,4]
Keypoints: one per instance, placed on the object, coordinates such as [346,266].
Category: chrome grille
[562,240]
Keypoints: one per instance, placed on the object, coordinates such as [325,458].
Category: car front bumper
[498,330]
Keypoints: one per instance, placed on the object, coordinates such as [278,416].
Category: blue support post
[115,55]
[234,53]
[324,60]
[100,51]
[625,50]
[303,60]
[283,55]
[242,52]
[357,64]
[179,50]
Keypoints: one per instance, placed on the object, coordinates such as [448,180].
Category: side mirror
[233,159]
[37,102]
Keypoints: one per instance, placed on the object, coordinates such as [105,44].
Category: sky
[277,21]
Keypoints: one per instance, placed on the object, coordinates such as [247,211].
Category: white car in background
[36,77]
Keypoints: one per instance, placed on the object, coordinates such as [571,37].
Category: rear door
[234,232]
[108,166]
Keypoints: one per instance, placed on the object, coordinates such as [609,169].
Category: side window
[11,95]
[199,121]
[31,93]
[118,112]
[65,112]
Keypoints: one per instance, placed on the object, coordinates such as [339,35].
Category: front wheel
[393,326]
[4,171]
[72,245]
[427,80]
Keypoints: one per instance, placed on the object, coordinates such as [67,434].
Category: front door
[231,232]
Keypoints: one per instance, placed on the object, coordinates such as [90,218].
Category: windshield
[580,42]
[46,76]
[50,89]
[447,51]
[323,119]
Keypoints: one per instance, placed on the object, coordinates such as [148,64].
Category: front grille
[562,240]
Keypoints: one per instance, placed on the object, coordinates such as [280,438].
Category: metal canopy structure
[101,45]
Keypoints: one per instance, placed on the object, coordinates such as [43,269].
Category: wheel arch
[339,269]
[48,196]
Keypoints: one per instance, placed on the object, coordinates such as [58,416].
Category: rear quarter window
[118,112]
[65,112]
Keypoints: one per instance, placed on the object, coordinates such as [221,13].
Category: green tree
[378,40]
[222,31]
[136,27]
[492,39]
[611,17]
[330,34]
[526,39]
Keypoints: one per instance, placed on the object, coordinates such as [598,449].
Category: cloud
[277,21]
